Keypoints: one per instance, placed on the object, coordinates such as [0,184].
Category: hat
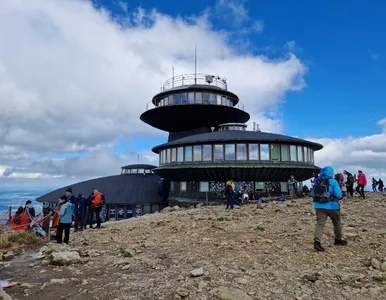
[69,190]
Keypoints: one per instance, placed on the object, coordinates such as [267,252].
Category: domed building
[209,144]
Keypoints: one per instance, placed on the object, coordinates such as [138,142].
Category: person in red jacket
[362,182]
[97,205]
[18,220]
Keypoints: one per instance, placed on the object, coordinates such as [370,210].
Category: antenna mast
[195,64]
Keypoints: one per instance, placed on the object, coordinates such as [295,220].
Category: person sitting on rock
[18,220]
[326,194]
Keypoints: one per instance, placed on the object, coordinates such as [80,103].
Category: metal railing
[190,79]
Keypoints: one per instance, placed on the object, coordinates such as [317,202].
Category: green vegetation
[9,239]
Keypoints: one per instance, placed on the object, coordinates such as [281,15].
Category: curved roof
[118,189]
[185,117]
[139,166]
[237,136]
[196,87]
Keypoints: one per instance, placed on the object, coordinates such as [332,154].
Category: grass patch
[9,239]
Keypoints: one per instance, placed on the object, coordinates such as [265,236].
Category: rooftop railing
[190,79]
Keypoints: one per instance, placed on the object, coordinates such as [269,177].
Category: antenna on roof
[138,157]
[257,127]
[195,64]
[254,126]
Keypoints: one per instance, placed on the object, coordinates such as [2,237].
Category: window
[284,187]
[191,98]
[218,152]
[300,153]
[172,185]
[231,102]
[306,154]
[147,171]
[180,154]
[312,156]
[177,98]
[229,152]
[284,152]
[141,171]
[174,154]
[264,152]
[184,98]
[166,101]
[275,152]
[134,171]
[241,151]
[253,152]
[188,153]
[168,155]
[183,186]
[293,153]
[207,152]
[205,98]
[223,100]
[171,102]
[164,156]
[218,97]
[197,153]
[212,99]
[198,97]
[204,186]
[259,185]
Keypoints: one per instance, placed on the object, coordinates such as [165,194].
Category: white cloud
[366,153]
[235,7]
[73,80]
[258,26]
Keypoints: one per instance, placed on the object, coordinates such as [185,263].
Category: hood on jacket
[327,172]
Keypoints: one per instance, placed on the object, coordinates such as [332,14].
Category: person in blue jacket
[65,216]
[327,207]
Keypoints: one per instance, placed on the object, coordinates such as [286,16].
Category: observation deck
[192,101]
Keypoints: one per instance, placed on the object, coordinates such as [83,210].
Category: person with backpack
[362,182]
[349,183]
[374,184]
[18,220]
[97,206]
[326,195]
[65,220]
[380,185]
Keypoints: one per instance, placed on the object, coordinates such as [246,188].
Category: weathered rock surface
[210,253]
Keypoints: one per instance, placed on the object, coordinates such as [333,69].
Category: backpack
[17,219]
[321,191]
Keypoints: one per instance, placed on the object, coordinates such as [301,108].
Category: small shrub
[12,238]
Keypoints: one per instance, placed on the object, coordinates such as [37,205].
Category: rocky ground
[253,252]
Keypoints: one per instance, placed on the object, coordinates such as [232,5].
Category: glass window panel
[306,154]
[171,100]
[229,152]
[241,151]
[188,153]
[172,185]
[228,102]
[212,99]
[300,153]
[147,171]
[198,97]
[205,98]
[231,101]
[177,98]
[168,155]
[207,152]
[284,152]
[184,98]
[180,154]
[259,185]
[218,97]
[284,187]
[253,152]
[191,97]
[163,156]
[204,186]
[134,171]
[275,152]
[264,152]
[312,156]
[183,186]
[218,152]
[223,100]
[141,171]
[174,154]
[293,153]
[197,153]
[166,101]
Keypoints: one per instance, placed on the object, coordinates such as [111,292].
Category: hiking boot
[340,242]
[318,247]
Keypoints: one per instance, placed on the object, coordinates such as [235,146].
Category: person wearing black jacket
[79,211]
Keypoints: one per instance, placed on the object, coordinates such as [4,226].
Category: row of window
[136,171]
[195,97]
[232,127]
[240,152]
[204,186]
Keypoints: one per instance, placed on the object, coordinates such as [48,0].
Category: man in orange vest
[97,205]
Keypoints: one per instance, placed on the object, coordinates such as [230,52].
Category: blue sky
[305,69]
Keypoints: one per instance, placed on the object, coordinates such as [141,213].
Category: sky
[75,75]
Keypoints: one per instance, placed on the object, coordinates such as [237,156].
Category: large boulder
[64,258]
